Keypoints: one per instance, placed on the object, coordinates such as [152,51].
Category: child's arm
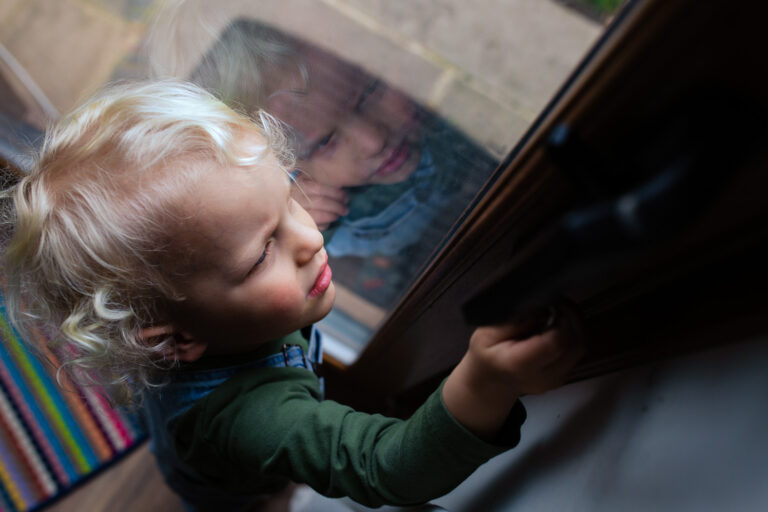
[270,424]
[498,368]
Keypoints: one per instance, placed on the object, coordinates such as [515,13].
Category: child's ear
[183,346]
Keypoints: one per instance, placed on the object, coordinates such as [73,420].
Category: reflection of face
[353,130]
[258,269]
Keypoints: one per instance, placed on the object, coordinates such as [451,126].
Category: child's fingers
[518,330]
[538,363]
[539,337]
[323,217]
[312,188]
[537,351]
[331,193]
[556,373]
[327,205]
[570,317]
[564,350]
[563,337]
[573,351]
[571,323]
[334,193]
[524,326]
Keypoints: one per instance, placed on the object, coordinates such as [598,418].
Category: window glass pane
[398,111]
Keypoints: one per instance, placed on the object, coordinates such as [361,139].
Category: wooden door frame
[635,61]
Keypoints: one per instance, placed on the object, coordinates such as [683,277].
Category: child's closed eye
[369,96]
[265,253]
[323,145]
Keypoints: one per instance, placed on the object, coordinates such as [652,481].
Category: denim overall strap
[293,356]
[185,389]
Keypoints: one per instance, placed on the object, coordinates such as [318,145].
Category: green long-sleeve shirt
[269,425]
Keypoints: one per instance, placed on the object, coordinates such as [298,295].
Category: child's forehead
[229,200]
[219,184]
[328,91]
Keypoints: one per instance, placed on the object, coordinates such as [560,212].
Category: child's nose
[308,241]
[368,135]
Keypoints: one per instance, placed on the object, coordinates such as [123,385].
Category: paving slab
[523,49]
[8,8]
[491,124]
[68,47]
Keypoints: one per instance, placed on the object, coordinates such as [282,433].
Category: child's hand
[324,204]
[499,367]
[535,364]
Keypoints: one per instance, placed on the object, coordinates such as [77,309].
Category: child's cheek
[282,302]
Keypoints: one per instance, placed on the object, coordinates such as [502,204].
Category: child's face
[257,268]
[354,130]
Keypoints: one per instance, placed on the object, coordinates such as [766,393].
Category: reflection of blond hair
[249,62]
[239,59]
[90,225]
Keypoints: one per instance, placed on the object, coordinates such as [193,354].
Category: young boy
[157,243]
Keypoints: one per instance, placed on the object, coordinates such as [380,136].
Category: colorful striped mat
[51,439]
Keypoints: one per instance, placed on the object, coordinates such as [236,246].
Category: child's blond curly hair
[86,229]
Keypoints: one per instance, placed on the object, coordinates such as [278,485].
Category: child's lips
[395,160]
[323,280]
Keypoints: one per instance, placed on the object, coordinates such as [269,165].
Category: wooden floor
[132,484]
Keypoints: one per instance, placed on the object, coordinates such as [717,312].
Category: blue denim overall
[399,225]
[161,408]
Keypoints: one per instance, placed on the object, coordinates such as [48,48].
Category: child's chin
[325,302]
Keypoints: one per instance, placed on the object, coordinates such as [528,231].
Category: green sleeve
[259,428]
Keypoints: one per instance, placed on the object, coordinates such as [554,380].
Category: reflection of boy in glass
[361,152]
[377,173]
[352,130]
